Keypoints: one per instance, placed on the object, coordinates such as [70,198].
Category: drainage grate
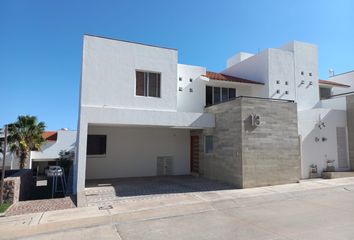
[105,207]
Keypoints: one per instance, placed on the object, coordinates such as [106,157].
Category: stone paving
[34,206]
[110,191]
[313,209]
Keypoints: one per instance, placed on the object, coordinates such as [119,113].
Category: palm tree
[25,135]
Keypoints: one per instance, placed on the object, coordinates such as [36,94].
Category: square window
[278,91]
[302,73]
[286,92]
[286,83]
[191,80]
[310,74]
[180,79]
[208,144]
[96,144]
[191,90]
[147,84]
[180,89]
[278,82]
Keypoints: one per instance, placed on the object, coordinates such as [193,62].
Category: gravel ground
[34,206]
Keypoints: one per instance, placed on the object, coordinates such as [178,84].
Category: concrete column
[80,164]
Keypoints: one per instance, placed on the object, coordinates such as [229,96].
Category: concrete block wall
[350,124]
[248,156]
[225,163]
[271,151]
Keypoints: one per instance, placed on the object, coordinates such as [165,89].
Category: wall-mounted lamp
[321,124]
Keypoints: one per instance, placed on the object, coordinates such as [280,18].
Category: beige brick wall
[247,156]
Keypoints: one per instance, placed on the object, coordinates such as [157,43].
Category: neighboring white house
[55,142]
[139,107]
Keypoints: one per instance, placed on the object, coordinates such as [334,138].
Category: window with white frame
[208,144]
[214,95]
[148,84]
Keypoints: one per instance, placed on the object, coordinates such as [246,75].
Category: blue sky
[41,41]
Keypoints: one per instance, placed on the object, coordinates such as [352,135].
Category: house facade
[55,142]
[255,123]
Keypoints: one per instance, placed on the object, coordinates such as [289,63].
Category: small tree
[25,135]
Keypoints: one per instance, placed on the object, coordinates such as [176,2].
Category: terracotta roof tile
[334,84]
[223,77]
[50,136]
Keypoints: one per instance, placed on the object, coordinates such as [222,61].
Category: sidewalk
[163,206]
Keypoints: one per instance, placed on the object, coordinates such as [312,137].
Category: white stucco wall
[237,58]
[109,73]
[344,78]
[281,68]
[190,101]
[338,103]
[253,68]
[318,152]
[66,140]
[133,151]
[194,101]
[305,60]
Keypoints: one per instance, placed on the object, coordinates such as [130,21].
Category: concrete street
[313,209]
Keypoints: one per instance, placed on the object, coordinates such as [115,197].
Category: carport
[136,151]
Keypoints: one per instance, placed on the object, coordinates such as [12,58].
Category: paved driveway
[318,209]
[110,191]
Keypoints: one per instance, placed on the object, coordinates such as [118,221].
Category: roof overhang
[330,84]
[227,78]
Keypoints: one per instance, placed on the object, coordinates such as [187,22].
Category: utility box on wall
[164,165]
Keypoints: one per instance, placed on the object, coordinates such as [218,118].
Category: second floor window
[325,93]
[214,95]
[148,84]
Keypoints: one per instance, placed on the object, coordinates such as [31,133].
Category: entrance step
[330,175]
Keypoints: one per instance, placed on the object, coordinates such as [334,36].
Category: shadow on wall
[320,144]
[247,123]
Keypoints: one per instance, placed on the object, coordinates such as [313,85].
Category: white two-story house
[253,124]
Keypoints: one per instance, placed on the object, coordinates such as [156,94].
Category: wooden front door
[195,154]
